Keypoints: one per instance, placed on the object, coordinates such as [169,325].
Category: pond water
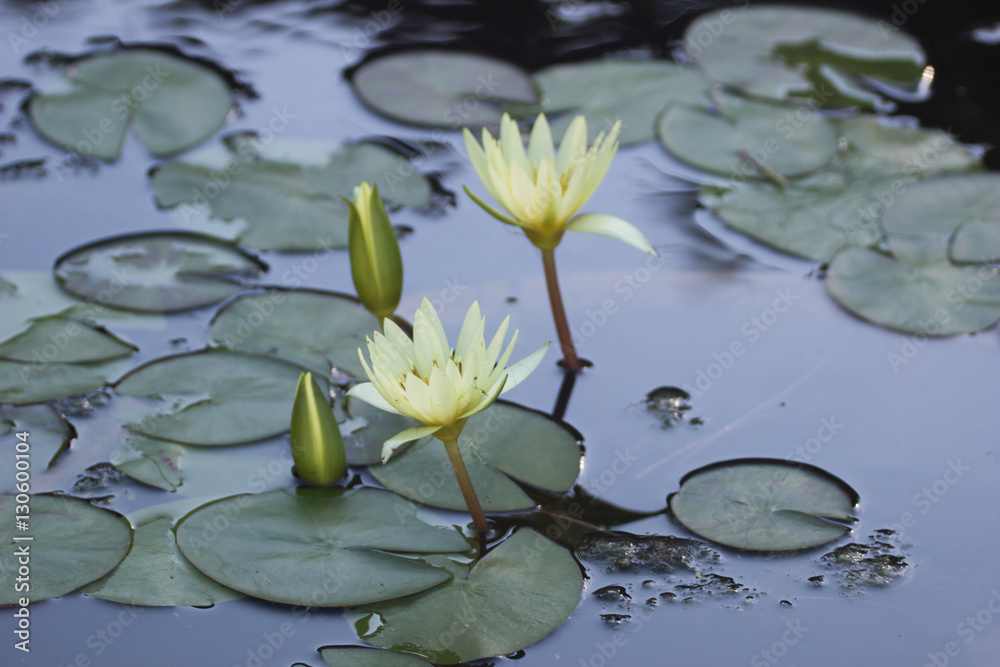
[916,438]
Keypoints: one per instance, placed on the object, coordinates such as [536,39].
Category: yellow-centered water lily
[541,190]
[437,385]
[317,446]
[376,264]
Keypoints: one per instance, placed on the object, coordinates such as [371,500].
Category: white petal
[415,433]
[471,331]
[510,142]
[540,144]
[522,369]
[418,395]
[489,209]
[367,392]
[476,154]
[609,225]
[486,400]
[493,351]
[573,145]
[443,397]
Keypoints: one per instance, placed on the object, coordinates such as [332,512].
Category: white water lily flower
[540,190]
[440,387]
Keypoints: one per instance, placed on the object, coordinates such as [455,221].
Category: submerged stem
[464,483]
[559,312]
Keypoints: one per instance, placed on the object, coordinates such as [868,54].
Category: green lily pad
[517,594]
[49,436]
[772,134]
[67,340]
[156,272]
[7,287]
[503,442]
[155,574]
[150,461]
[27,382]
[73,543]
[920,225]
[976,242]
[172,102]
[604,91]
[316,547]
[445,89]
[354,656]
[214,397]
[285,205]
[880,147]
[935,299]
[314,329]
[764,504]
[780,52]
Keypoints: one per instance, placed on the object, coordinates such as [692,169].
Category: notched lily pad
[48,435]
[764,504]
[67,340]
[156,272]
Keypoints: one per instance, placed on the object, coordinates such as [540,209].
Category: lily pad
[49,436]
[73,543]
[316,547]
[156,272]
[314,329]
[976,242]
[214,397]
[353,656]
[23,383]
[778,137]
[67,340]
[437,88]
[880,147]
[517,594]
[172,102]
[605,91]
[934,299]
[150,461]
[286,205]
[764,504]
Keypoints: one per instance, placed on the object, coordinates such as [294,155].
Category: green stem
[559,312]
[464,483]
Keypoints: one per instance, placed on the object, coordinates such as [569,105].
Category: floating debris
[612,593]
[658,553]
[669,403]
[875,563]
[614,620]
[98,477]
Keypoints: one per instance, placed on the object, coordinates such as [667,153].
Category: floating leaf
[938,299]
[150,461]
[172,102]
[605,91]
[976,242]
[73,543]
[214,397]
[313,329]
[503,442]
[59,339]
[446,89]
[38,382]
[49,435]
[764,504]
[522,590]
[316,547]
[353,656]
[156,272]
[882,147]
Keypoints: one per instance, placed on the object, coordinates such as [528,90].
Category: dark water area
[909,423]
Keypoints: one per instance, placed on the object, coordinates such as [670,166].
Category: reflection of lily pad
[503,442]
[172,102]
[518,593]
[316,330]
[316,547]
[435,88]
[156,272]
[764,504]
[65,340]
[214,397]
[937,299]
[73,543]
[49,436]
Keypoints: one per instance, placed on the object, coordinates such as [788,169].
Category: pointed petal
[527,203]
[367,392]
[471,331]
[540,145]
[573,145]
[418,395]
[493,351]
[476,154]
[443,397]
[487,399]
[522,369]
[609,225]
[415,433]
[511,143]
[489,209]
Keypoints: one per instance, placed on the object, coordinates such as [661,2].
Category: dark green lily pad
[73,543]
[286,205]
[155,574]
[214,397]
[313,329]
[781,52]
[934,299]
[150,461]
[316,547]
[67,340]
[156,272]
[49,436]
[605,91]
[172,102]
[764,504]
[517,594]
[504,441]
[436,88]
[772,134]
[38,382]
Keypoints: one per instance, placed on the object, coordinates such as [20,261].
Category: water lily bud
[317,447]
[376,265]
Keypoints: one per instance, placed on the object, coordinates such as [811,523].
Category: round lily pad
[316,547]
[935,299]
[522,590]
[437,88]
[48,435]
[311,328]
[172,102]
[214,397]
[73,543]
[156,272]
[67,340]
[764,504]
[503,443]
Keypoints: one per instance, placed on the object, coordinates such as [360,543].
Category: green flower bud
[376,265]
[317,447]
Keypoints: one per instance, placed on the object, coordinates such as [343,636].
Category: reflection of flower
[376,265]
[317,447]
[540,190]
[438,386]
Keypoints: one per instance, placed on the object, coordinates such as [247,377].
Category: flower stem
[558,312]
[462,475]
